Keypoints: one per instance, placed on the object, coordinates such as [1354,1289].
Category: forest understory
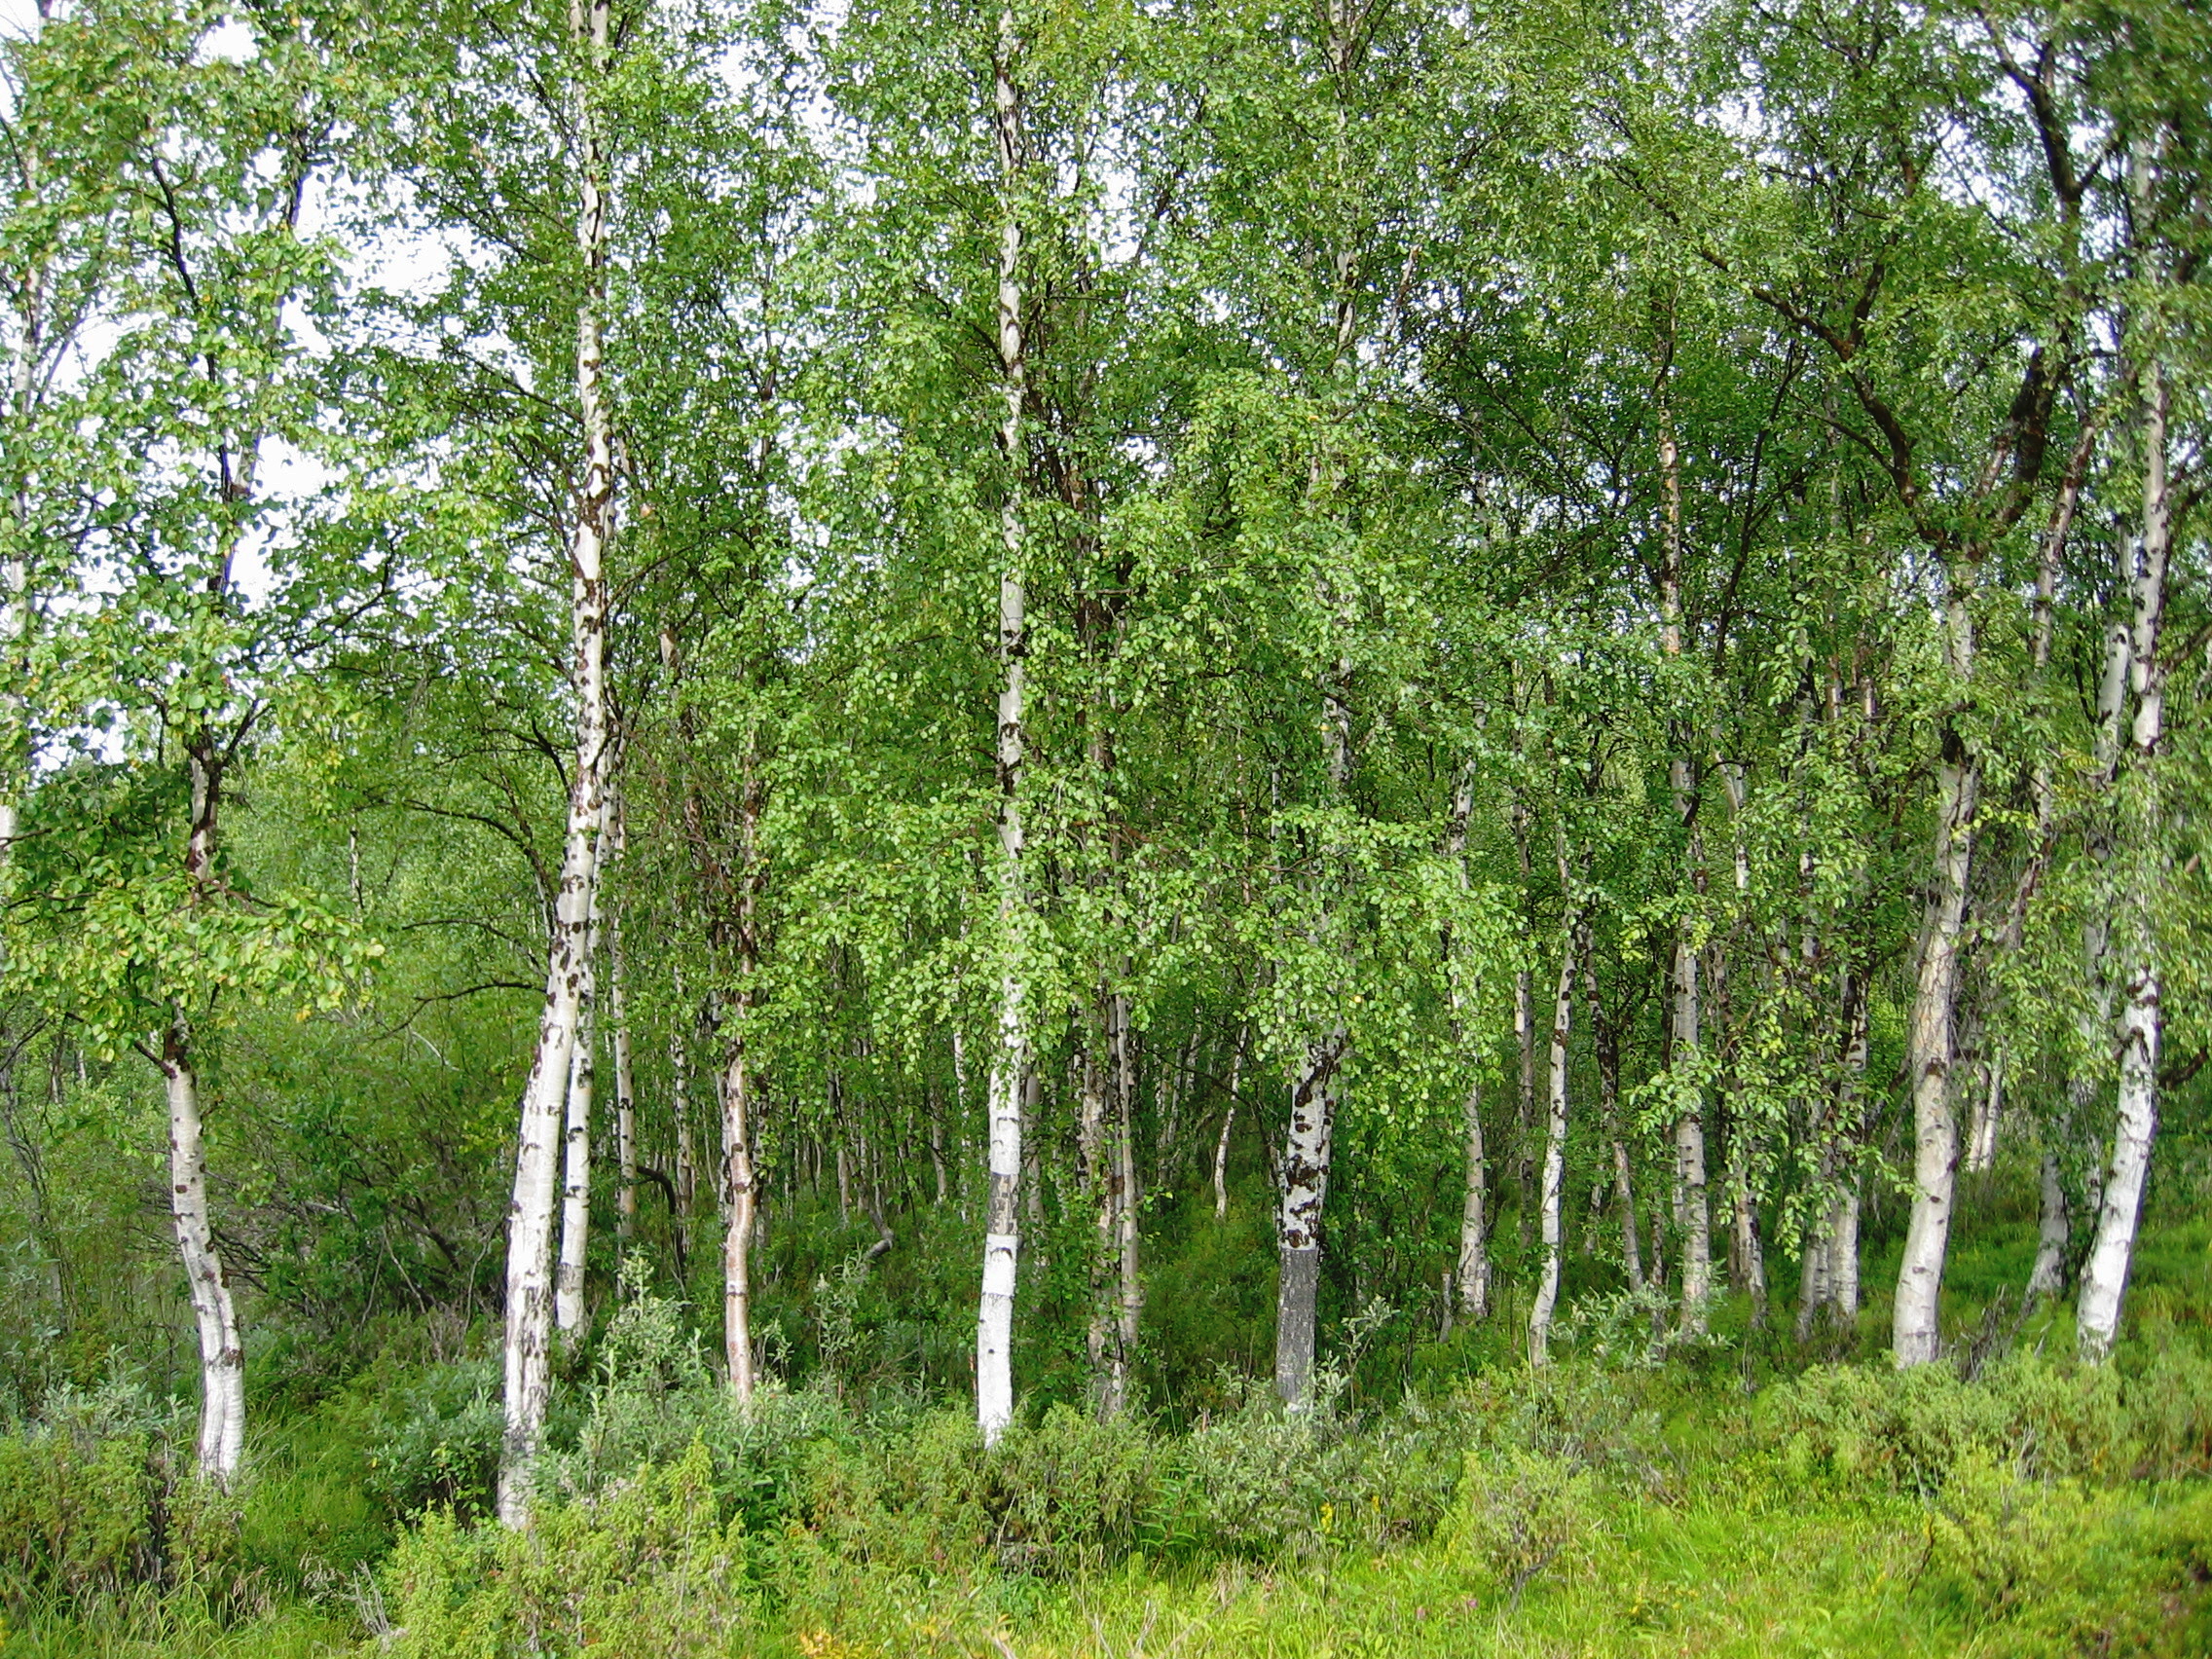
[1746,1494]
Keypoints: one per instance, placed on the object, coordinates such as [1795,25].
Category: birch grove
[1307,702]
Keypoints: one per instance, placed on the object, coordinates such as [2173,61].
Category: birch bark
[530,1227]
[583,1077]
[1555,1143]
[1692,1217]
[1009,1061]
[2140,1024]
[1916,1329]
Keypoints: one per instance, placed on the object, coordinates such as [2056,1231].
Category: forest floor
[1720,1504]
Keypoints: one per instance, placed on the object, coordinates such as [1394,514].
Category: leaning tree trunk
[625,1074]
[1009,1061]
[2138,1028]
[530,1223]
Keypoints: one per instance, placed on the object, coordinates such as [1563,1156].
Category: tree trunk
[1554,1149]
[625,1081]
[1693,1222]
[1305,1189]
[1473,1263]
[1228,1123]
[2140,1023]
[530,1227]
[2047,1277]
[583,1074]
[1130,1302]
[1606,1039]
[679,1106]
[222,1355]
[739,1196]
[1916,1335]
[1009,1063]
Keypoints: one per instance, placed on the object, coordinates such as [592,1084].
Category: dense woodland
[1159,713]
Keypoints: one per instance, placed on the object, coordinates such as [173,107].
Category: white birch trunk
[575,1146]
[1009,1061]
[1305,1191]
[1540,1310]
[626,1077]
[2140,1023]
[222,1355]
[1228,1123]
[741,1203]
[1472,1265]
[1692,1215]
[1916,1335]
[530,1226]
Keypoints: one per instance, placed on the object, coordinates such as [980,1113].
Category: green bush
[1518,1512]
[1872,1427]
[643,1568]
[2059,1566]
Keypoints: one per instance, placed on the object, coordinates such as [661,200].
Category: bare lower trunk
[1130,1302]
[2054,1229]
[1607,1040]
[1473,1268]
[2140,1024]
[679,1106]
[1750,1255]
[1228,1123]
[1010,1063]
[625,1098]
[1693,1223]
[1525,1103]
[1916,1332]
[222,1356]
[1305,1189]
[576,1179]
[739,1199]
[1555,1157]
[529,1225]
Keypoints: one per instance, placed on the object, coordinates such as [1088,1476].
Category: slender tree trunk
[679,1106]
[1693,1224]
[583,1074]
[625,1080]
[1009,1063]
[1129,1299]
[2140,1023]
[530,1226]
[740,1197]
[1555,1148]
[1472,1266]
[1606,1040]
[222,1355]
[1228,1123]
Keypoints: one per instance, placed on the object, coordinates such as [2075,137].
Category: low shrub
[644,1567]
